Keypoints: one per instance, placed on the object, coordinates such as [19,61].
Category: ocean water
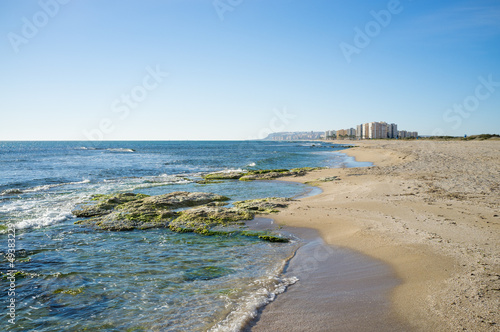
[145,280]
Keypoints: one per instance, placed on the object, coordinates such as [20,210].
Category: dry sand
[431,211]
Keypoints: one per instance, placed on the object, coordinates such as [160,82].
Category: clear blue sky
[66,70]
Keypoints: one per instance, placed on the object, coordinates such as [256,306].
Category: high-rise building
[392,130]
[330,134]
[374,130]
[366,131]
[359,131]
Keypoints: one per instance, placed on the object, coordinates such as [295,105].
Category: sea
[75,278]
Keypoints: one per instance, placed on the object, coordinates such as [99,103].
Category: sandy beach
[430,210]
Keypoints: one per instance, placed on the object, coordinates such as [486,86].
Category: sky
[240,69]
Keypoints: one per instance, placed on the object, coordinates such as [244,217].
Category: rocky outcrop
[263,205]
[106,203]
[205,215]
[264,174]
[129,211]
[209,217]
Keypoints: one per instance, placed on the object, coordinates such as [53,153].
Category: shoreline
[432,222]
[361,286]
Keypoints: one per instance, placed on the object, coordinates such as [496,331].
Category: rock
[276,173]
[268,175]
[263,235]
[233,175]
[175,200]
[122,212]
[263,205]
[126,221]
[329,179]
[261,174]
[106,204]
[206,216]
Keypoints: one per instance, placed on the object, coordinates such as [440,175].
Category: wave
[248,308]
[17,191]
[48,219]
[251,165]
[120,150]
[163,180]
[232,170]
[311,144]
[106,149]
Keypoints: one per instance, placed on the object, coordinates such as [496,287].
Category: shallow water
[79,278]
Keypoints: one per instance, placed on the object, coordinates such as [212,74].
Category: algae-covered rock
[122,212]
[75,291]
[265,236]
[204,217]
[17,275]
[126,221]
[329,179]
[268,175]
[232,175]
[106,203]
[206,214]
[261,174]
[263,205]
[175,200]
[303,170]
[208,181]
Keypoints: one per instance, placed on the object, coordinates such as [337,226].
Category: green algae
[208,181]
[265,236]
[261,174]
[17,275]
[75,291]
[272,238]
[205,215]
[223,176]
[261,235]
[209,232]
[266,171]
[263,205]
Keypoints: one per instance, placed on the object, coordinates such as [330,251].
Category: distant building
[346,133]
[392,130]
[330,134]
[359,131]
[374,130]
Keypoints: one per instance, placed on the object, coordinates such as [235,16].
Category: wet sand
[338,290]
[428,213]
